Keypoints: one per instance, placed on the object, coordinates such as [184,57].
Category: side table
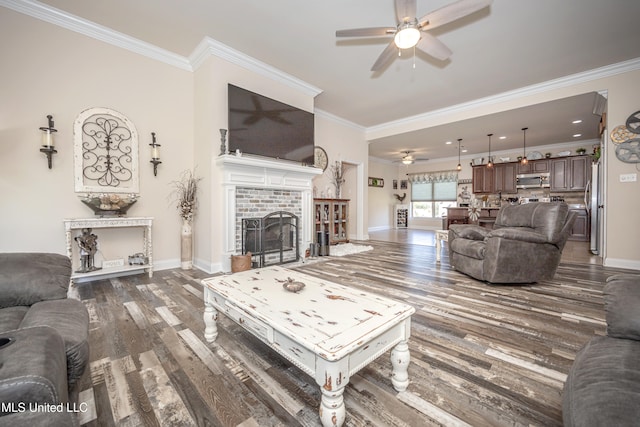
[112,222]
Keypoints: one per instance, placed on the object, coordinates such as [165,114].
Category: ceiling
[509,45]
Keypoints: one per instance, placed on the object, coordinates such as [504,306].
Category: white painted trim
[339,120]
[379,228]
[220,50]
[632,264]
[562,82]
[83,26]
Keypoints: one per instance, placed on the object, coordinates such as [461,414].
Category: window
[430,199]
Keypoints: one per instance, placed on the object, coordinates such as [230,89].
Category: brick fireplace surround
[257,186]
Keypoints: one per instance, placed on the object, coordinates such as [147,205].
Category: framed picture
[376,182]
[404,184]
[395,184]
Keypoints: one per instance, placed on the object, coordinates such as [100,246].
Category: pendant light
[524,160]
[489,162]
[459,167]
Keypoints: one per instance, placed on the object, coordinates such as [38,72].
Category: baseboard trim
[630,264]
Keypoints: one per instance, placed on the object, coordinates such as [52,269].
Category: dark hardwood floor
[481,355]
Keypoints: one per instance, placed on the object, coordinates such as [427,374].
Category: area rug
[343,249]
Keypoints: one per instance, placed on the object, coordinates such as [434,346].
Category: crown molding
[339,120]
[559,83]
[74,23]
[209,46]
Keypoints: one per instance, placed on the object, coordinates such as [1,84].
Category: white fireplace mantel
[257,172]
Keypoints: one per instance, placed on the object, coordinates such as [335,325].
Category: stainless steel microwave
[533,180]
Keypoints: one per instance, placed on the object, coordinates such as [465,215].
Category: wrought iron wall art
[105,152]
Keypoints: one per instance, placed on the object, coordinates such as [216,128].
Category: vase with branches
[337,175]
[185,192]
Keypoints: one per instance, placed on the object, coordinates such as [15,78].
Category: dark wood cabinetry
[534,166]
[581,227]
[483,180]
[505,178]
[569,173]
[565,174]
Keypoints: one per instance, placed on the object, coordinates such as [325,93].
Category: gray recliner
[524,246]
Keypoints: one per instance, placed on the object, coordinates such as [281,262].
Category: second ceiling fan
[412,32]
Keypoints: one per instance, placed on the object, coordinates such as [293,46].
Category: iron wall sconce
[155,153]
[47,141]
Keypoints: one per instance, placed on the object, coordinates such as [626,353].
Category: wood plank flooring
[481,355]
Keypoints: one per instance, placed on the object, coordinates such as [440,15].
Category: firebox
[272,239]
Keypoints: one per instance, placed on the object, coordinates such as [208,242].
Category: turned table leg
[400,358]
[210,327]
[332,411]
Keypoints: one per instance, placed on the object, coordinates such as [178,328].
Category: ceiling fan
[412,32]
[409,159]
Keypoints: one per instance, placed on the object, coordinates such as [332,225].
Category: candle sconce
[155,153]
[47,141]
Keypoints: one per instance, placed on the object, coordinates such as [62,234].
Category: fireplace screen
[272,239]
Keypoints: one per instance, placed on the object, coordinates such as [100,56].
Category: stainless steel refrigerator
[595,206]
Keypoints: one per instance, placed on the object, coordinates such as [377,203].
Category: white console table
[112,222]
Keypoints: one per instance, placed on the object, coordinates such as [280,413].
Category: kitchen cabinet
[559,174]
[534,166]
[579,167]
[332,216]
[581,227]
[505,178]
[483,180]
[569,173]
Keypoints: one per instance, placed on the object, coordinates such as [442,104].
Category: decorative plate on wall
[320,158]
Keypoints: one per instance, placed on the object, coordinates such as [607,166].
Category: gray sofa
[603,386]
[44,346]
[524,246]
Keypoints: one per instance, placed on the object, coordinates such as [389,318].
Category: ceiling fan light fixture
[407,161]
[407,36]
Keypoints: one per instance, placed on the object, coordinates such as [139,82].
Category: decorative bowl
[293,286]
[109,204]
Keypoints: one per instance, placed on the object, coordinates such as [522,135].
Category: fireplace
[253,188]
[273,239]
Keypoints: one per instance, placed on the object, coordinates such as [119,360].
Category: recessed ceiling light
[575,122]
[577,135]
[464,150]
[502,137]
[448,142]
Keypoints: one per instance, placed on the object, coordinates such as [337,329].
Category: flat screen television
[266,127]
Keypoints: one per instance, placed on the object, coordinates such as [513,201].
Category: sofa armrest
[26,278]
[621,302]
[468,231]
[521,234]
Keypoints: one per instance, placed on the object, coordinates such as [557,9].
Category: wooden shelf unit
[332,216]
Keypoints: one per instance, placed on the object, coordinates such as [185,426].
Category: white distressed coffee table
[328,330]
[441,235]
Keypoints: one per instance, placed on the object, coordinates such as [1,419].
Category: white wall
[49,70]
[381,199]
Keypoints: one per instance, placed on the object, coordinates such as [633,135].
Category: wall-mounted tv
[263,126]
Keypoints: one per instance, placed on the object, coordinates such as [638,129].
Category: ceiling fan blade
[405,10]
[366,32]
[434,47]
[386,56]
[451,12]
